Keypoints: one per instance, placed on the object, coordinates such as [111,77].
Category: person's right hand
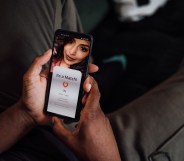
[34,87]
[93,139]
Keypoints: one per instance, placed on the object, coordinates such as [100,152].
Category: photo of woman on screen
[70,53]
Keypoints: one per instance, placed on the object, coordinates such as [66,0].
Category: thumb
[37,64]
[60,130]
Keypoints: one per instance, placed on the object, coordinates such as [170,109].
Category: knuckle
[107,120]
[93,115]
[90,115]
[36,60]
[97,95]
[27,78]
[96,90]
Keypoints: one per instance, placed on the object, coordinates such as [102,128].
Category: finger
[44,58]
[93,98]
[93,68]
[36,66]
[59,129]
[45,73]
[84,99]
[87,84]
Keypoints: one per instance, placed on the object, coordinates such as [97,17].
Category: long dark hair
[59,44]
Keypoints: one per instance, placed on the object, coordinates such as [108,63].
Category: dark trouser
[26,31]
[39,145]
[152,127]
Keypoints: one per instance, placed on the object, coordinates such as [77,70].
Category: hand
[34,88]
[93,139]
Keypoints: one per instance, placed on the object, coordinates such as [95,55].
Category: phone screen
[67,72]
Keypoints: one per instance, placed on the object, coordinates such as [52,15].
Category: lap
[152,125]
[27,29]
[40,144]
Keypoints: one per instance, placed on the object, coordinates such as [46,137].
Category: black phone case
[81,91]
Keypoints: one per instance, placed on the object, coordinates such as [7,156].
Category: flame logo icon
[65,84]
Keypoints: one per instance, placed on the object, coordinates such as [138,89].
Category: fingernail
[97,68]
[88,87]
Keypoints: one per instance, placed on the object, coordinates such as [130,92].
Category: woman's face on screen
[76,51]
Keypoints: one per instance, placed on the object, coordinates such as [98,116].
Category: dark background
[153,49]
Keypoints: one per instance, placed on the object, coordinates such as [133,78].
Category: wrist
[29,121]
[15,123]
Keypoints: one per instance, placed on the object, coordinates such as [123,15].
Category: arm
[93,139]
[14,124]
[19,119]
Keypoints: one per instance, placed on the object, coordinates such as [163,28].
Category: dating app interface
[64,91]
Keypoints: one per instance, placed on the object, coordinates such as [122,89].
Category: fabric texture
[39,145]
[151,128]
[27,28]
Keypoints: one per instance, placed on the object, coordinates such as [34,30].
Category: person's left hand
[34,88]
[93,138]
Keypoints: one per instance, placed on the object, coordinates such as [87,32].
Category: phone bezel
[81,90]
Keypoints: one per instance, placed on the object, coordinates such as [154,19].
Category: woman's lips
[69,58]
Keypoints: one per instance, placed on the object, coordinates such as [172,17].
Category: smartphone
[67,72]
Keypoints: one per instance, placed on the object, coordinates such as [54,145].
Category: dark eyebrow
[85,45]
